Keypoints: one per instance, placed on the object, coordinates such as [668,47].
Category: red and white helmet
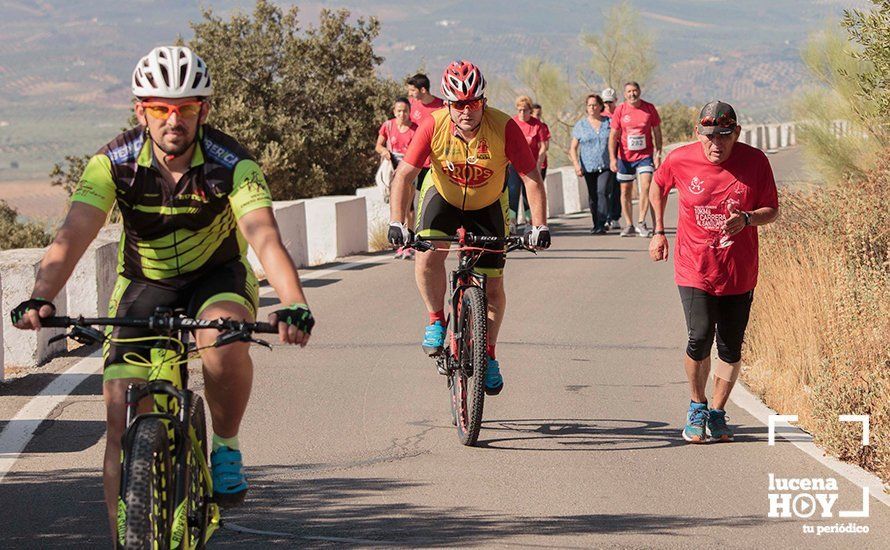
[461,81]
[171,72]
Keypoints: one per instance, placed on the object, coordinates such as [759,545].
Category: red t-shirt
[546,137]
[534,133]
[420,109]
[635,127]
[397,141]
[703,257]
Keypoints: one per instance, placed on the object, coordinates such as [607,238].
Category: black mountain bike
[464,360]
[166,490]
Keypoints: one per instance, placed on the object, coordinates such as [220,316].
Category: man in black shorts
[725,190]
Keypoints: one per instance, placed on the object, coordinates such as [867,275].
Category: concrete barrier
[574,190]
[18,270]
[90,286]
[555,199]
[291,219]
[335,226]
[378,211]
[772,132]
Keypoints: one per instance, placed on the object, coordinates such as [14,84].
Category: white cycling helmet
[171,72]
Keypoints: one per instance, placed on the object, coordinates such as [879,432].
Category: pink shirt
[535,132]
[397,141]
[635,130]
[703,257]
[419,110]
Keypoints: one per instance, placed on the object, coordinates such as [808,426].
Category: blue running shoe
[696,420]
[717,425]
[494,382]
[434,339]
[229,485]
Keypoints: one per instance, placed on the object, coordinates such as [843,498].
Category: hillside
[65,66]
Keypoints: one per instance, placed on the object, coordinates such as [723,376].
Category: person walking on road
[536,112]
[538,140]
[591,136]
[610,99]
[392,143]
[634,153]
[423,103]
[725,190]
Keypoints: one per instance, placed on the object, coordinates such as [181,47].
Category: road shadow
[574,434]
[370,512]
[55,509]
[34,383]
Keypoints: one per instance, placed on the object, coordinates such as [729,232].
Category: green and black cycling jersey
[174,235]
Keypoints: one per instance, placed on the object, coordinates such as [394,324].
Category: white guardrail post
[90,286]
[25,348]
[291,219]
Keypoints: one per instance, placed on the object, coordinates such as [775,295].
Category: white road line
[239,529]
[20,430]
[803,441]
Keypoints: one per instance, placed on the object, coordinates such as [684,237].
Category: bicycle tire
[468,376]
[199,500]
[146,494]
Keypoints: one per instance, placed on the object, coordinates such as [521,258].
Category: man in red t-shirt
[422,104]
[635,152]
[725,189]
[536,112]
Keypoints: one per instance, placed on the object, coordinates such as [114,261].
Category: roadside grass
[819,339]
[377,237]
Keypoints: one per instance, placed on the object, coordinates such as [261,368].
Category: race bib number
[636,143]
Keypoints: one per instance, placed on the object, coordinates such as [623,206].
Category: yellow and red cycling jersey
[470,175]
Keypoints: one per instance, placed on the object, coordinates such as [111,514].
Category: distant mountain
[65,66]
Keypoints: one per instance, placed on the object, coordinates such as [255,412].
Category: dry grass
[377,237]
[819,339]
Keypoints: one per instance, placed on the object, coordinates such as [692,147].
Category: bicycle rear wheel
[468,374]
[198,494]
[148,488]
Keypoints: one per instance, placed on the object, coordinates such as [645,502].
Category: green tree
[677,122]
[16,234]
[307,102]
[870,30]
[623,49]
[836,70]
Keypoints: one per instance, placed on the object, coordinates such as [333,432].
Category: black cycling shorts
[706,314]
[439,218]
[230,282]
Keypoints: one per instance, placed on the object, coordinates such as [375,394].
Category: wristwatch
[747,216]
[660,232]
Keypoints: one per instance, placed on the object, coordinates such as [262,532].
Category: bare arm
[261,231]
[658,246]
[537,196]
[656,134]
[573,154]
[542,152]
[380,147]
[400,191]
[78,230]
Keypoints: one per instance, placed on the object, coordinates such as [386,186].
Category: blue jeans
[515,187]
[597,190]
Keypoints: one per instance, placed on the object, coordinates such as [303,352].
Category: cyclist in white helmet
[185,191]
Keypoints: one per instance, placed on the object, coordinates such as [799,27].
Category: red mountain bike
[464,359]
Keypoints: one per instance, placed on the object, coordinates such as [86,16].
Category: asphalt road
[349,442]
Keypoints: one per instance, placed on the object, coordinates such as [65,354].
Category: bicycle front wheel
[468,376]
[148,488]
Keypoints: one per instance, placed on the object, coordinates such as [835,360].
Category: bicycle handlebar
[156,322]
[510,244]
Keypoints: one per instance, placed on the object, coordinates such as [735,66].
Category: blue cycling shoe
[494,382]
[434,339]
[696,421]
[227,470]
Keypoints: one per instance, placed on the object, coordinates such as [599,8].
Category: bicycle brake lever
[57,337]
[85,335]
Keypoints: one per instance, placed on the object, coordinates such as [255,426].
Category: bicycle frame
[168,385]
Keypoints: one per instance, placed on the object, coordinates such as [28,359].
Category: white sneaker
[644,231]
[628,231]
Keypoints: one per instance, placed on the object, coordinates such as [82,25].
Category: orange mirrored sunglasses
[161,110]
[473,104]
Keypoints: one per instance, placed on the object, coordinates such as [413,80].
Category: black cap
[717,117]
